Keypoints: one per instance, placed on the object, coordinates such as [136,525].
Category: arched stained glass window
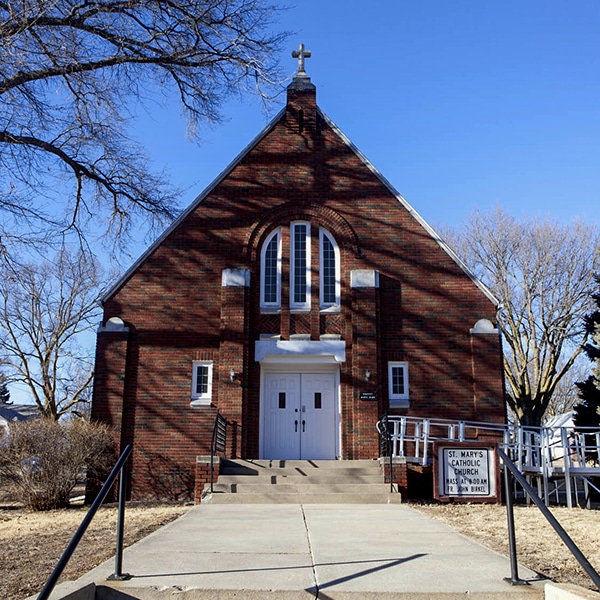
[270,278]
[300,270]
[330,271]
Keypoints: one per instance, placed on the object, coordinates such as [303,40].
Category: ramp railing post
[512,541]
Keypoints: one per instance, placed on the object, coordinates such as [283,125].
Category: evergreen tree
[4,393]
[587,412]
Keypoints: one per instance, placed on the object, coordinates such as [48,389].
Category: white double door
[300,416]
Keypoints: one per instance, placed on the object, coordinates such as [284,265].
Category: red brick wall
[177,310]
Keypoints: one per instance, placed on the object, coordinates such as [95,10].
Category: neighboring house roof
[18,412]
[562,420]
[225,173]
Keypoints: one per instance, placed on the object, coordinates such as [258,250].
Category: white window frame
[398,398]
[335,305]
[263,303]
[205,398]
[306,272]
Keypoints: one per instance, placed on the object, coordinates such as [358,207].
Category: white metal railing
[559,459]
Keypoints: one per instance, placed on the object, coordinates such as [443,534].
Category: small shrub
[42,459]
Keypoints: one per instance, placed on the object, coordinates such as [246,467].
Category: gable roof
[238,159]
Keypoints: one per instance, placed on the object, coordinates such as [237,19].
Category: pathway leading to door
[332,552]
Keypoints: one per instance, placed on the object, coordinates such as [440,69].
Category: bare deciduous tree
[565,395]
[73,73]
[543,273]
[44,310]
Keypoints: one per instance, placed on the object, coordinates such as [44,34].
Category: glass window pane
[270,271]
[318,401]
[398,380]
[328,274]
[300,238]
[201,379]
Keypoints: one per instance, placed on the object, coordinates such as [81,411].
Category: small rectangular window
[281,399]
[318,402]
[202,383]
[398,382]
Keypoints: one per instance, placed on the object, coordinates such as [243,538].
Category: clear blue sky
[460,104]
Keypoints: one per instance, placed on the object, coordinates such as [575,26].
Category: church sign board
[466,472]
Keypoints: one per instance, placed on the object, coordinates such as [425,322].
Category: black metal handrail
[512,469]
[218,444]
[118,469]
[385,445]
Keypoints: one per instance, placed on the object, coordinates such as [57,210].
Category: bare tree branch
[44,310]
[543,274]
[72,72]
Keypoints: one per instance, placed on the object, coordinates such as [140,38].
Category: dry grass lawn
[538,545]
[33,542]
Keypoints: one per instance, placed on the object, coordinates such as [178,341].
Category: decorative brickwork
[300,324]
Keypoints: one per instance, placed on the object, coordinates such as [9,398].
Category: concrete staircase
[300,482]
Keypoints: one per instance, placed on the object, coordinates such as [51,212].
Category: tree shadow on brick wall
[166,479]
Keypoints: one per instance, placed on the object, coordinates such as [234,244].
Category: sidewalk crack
[312,556]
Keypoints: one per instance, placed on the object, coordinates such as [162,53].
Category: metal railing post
[390,451]
[512,540]
[218,443]
[564,536]
[118,575]
[64,559]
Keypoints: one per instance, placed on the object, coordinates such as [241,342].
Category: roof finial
[301,54]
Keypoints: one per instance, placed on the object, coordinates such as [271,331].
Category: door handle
[296,426]
[303,426]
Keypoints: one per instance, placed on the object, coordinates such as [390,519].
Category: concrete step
[300,481]
[378,497]
[108,592]
[334,478]
[299,488]
[315,464]
[295,467]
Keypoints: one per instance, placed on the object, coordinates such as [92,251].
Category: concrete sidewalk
[306,551]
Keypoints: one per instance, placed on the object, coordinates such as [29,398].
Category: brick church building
[302,297]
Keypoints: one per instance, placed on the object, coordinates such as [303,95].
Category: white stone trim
[364,278]
[113,325]
[484,326]
[235,278]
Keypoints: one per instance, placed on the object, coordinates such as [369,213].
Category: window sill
[399,403]
[270,310]
[331,309]
[197,402]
